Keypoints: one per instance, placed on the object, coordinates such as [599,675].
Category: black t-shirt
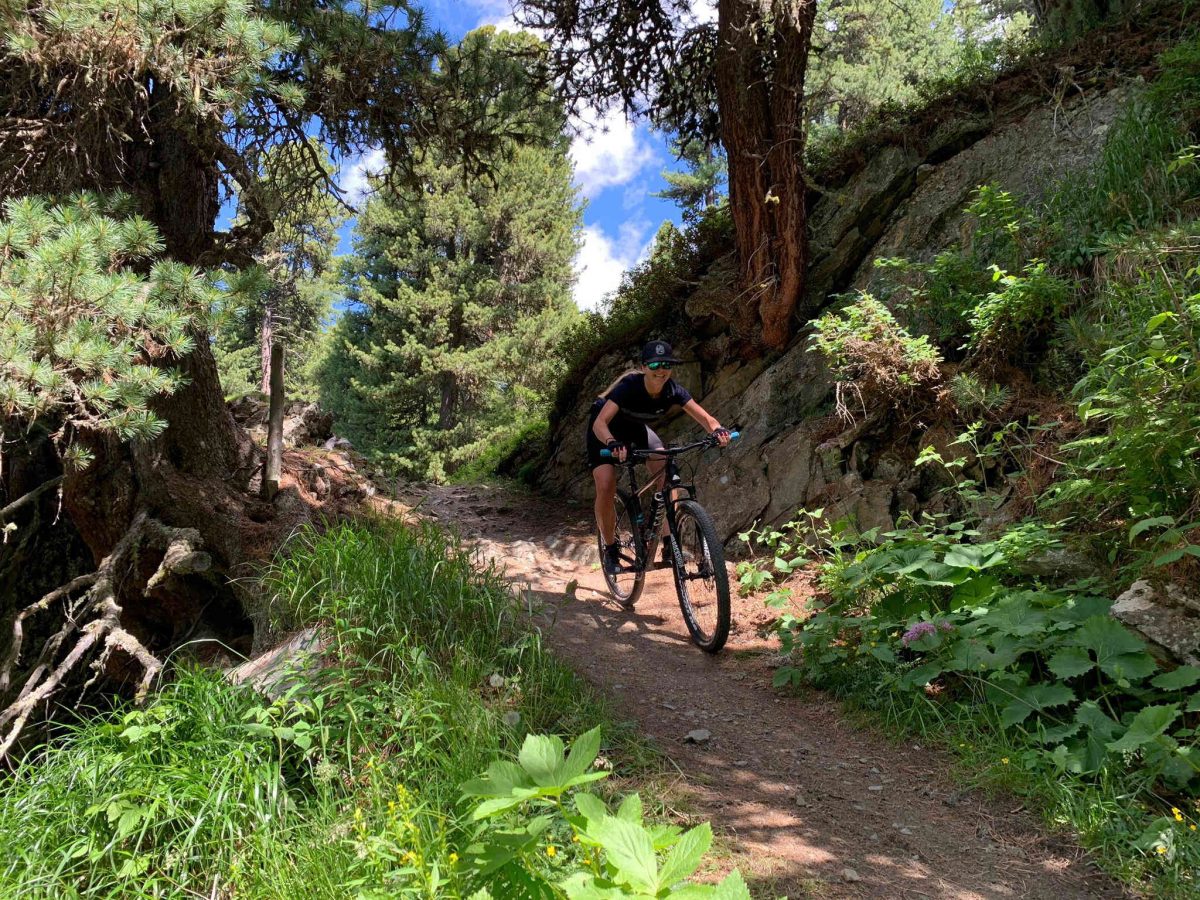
[638,407]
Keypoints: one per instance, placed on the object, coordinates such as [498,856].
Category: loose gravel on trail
[810,803]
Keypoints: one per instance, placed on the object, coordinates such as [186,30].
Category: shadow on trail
[809,804]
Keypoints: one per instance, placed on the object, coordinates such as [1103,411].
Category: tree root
[97,606]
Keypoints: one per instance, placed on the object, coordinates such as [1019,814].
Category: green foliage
[1142,179]
[938,620]
[874,360]
[295,296]
[968,300]
[88,314]
[349,781]
[869,55]
[972,396]
[460,296]
[1140,395]
[699,186]
[620,856]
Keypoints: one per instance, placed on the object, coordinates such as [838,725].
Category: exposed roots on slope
[91,620]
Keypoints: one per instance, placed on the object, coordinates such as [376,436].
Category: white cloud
[352,178]
[704,11]
[602,260]
[608,151]
[497,13]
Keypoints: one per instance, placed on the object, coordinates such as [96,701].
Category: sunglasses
[656,366]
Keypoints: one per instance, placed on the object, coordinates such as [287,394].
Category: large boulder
[1167,616]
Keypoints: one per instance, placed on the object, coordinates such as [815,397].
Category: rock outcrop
[906,199]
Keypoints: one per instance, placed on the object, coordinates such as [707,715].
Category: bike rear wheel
[626,584]
[701,580]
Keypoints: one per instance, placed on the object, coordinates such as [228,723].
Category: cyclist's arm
[600,426]
[700,414]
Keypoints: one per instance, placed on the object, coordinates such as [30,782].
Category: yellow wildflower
[1161,849]
[1004,760]
[453,858]
[551,850]
[1176,813]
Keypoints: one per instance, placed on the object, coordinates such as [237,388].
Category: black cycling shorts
[629,433]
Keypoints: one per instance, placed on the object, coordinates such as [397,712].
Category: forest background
[169,214]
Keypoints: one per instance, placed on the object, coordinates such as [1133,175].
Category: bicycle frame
[673,491]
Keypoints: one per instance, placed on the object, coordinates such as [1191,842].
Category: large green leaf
[630,809]
[976,557]
[628,847]
[685,856]
[1090,752]
[1069,662]
[1146,726]
[1035,698]
[590,806]
[732,888]
[501,778]
[908,559]
[1108,639]
[975,591]
[1016,615]
[584,750]
[1080,609]
[1177,679]
[1131,666]
[542,757]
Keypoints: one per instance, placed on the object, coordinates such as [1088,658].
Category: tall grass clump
[348,782]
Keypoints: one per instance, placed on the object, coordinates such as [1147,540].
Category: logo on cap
[660,350]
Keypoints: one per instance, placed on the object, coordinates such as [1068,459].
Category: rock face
[304,424]
[906,199]
[1167,617]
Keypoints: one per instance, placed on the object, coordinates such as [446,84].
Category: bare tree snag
[270,484]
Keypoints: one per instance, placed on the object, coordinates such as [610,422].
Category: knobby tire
[705,609]
[625,586]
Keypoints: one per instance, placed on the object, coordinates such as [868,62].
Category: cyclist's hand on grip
[617,450]
[721,436]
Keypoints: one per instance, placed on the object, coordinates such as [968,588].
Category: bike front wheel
[627,582]
[700,577]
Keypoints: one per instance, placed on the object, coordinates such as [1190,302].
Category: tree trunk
[274,465]
[197,472]
[266,341]
[762,124]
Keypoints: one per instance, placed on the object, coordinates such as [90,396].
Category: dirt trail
[800,793]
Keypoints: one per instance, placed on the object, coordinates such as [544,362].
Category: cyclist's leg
[605,477]
[656,466]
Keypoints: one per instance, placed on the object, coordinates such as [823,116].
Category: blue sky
[618,165]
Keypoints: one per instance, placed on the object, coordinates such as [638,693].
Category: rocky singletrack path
[809,803]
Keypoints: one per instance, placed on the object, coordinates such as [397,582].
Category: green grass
[348,785]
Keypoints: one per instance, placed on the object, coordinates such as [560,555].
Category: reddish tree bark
[762,55]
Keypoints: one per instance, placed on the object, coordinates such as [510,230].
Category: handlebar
[635,453]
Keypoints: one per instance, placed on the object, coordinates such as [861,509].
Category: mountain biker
[621,418]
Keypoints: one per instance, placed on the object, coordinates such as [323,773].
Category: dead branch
[8,511]
[103,630]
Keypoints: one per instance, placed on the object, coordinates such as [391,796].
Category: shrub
[875,362]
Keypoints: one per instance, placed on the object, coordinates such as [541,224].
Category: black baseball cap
[658,351]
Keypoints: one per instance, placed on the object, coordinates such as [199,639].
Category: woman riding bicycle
[621,418]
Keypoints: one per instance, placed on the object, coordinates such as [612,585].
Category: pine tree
[699,185]
[300,285]
[872,53]
[459,294]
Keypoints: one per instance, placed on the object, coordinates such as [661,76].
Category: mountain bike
[697,556]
